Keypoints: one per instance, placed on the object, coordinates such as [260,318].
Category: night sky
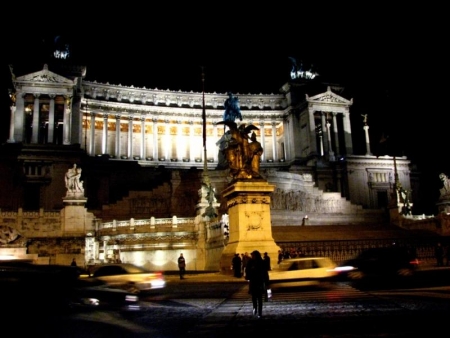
[392,61]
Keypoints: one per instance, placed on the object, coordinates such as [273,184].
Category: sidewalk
[202,277]
[209,276]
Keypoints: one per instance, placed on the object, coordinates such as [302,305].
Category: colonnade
[158,138]
[330,144]
[27,119]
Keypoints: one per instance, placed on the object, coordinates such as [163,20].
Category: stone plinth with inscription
[249,219]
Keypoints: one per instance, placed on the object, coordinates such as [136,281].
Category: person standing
[258,277]
[245,258]
[266,259]
[182,265]
[280,256]
[74,262]
[236,264]
[439,254]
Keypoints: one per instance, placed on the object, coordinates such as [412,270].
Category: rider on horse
[232,109]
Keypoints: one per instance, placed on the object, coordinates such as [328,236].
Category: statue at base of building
[72,179]
[445,190]
[241,156]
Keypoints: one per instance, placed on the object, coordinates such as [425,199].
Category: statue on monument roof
[300,71]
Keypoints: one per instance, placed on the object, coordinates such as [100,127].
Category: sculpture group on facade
[445,191]
[72,180]
[241,152]
[242,157]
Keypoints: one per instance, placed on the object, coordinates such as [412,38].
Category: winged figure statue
[237,151]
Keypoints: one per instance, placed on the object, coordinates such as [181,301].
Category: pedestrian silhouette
[258,277]
[182,265]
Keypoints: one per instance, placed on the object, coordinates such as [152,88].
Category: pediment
[328,97]
[44,76]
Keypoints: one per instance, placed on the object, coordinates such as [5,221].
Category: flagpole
[205,165]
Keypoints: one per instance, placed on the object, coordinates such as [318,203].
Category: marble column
[215,139]
[11,125]
[336,135]
[35,131]
[180,148]
[155,139]
[366,133]
[324,134]
[67,120]
[191,141]
[330,146]
[117,143]
[105,134]
[51,120]
[274,141]
[263,139]
[312,134]
[92,135]
[287,135]
[167,144]
[130,138]
[142,149]
[348,134]
[20,128]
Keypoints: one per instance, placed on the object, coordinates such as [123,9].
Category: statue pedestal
[444,204]
[250,222]
[76,219]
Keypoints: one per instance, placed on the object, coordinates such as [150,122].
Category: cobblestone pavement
[216,311]
[342,312]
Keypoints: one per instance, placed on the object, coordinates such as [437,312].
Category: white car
[129,277]
[302,271]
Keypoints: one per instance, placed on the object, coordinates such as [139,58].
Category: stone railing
[341,250]
[147,225]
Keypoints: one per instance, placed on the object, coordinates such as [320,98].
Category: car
[59,287]
[382,262]
[129,277]
[302,271]
[94,294]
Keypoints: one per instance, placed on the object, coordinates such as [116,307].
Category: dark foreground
[217,306]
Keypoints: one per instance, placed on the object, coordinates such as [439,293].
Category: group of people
[289,253]
[442,253]
[239,263]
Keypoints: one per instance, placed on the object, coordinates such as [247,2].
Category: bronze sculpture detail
[242,156]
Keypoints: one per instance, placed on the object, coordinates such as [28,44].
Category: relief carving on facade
[302,201]
[8,235]
[254,220]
